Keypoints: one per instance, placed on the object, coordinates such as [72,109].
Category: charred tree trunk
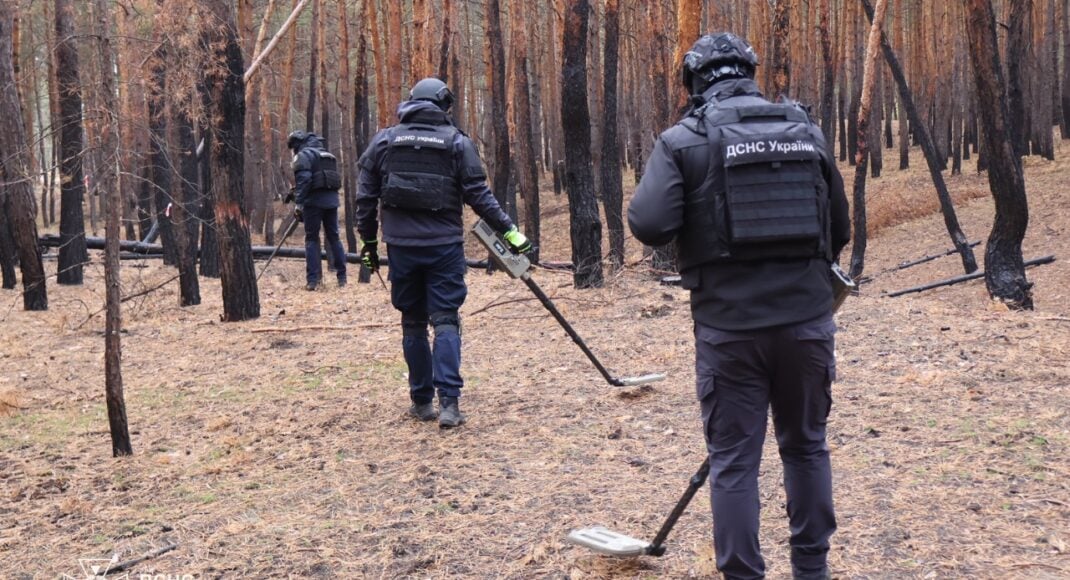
[72,254]
[500,182]
[1019,38]
[7,248]
[828,82]
[16,178]
[612,186]
[158,159]
[1004,268]
[906,99]
[187,202]
[224,101]
[527,171]
[1064,127]
[313,69]
[585,226]
[108,149]
[858,249]
[781,65]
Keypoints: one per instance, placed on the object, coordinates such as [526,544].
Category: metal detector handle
[656,548]
[289,230]
[526,277]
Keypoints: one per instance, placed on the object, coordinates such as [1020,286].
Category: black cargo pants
[740,375]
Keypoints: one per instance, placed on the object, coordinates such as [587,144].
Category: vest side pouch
[325,173]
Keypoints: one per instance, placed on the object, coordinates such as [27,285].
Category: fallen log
[963,278]
[259,252]
[912,263]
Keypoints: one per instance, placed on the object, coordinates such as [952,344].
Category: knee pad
[414,325]
[445,321]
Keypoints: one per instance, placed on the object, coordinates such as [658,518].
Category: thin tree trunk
[612,186]
[828,82]
[224,102]
[969,263]
[158,157]
[444,45]
[106,179]
[1019,38]
[781,61]
[527,174]
[1004,267]
[498,112]
[585,227]
[72,254]
[313,70]
[858,248]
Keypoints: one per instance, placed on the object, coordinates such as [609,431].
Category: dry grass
[269,454]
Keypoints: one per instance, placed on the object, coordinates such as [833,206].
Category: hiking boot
[312,286]
[341,282]
[423,411]
[449,413]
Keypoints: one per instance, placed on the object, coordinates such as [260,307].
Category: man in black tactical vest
[420,174]
[756,204]
[316,183]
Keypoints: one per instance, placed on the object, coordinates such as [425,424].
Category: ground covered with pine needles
[279,447]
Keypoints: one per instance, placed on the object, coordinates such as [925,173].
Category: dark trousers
[740,375]
[427,286]
[312,218]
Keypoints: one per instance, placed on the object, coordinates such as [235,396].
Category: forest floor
[264,450]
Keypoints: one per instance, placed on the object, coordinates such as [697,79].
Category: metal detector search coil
[519,266]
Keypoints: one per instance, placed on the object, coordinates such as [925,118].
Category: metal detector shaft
[656,548]
[568,328]
[286,234]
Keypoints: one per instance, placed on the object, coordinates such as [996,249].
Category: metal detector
[286,234]
[518,266]
[610,543]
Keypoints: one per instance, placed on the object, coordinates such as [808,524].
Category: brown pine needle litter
[280,447]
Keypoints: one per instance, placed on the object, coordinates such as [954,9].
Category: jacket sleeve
[474,190]
[656,212]
[302,167]
[368,188]
[838,209]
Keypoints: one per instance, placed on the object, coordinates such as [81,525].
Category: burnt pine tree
[585,226]
[612,187]
[921,134]
[7,250]
[500,179]
[1004,268]
[224,103]
[108,149]
[527,172]
[869,71]
[72,251]
[187,202]
[16,189]
[159,163]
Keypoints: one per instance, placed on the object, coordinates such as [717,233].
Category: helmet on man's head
[717,56]
[295,139]
[434,90]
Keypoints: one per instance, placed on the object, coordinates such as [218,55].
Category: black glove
[298,212]
[369,254]
[290,196]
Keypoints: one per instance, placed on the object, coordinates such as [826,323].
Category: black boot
[449,413]
[423,411]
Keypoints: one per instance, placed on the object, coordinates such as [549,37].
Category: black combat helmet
[717,56]
[296,139]
[434,90]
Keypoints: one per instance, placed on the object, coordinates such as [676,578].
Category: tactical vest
[764,196]
[324,169]
[418,170]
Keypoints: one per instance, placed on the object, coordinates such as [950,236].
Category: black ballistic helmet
[717,56]
[434,90]
[295,139]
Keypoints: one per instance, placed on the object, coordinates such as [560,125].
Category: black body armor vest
[764,196]
[324,170]
[418,170]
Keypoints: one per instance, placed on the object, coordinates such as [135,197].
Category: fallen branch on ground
[911,263]
[964,278]
[321,327]
[134,562]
